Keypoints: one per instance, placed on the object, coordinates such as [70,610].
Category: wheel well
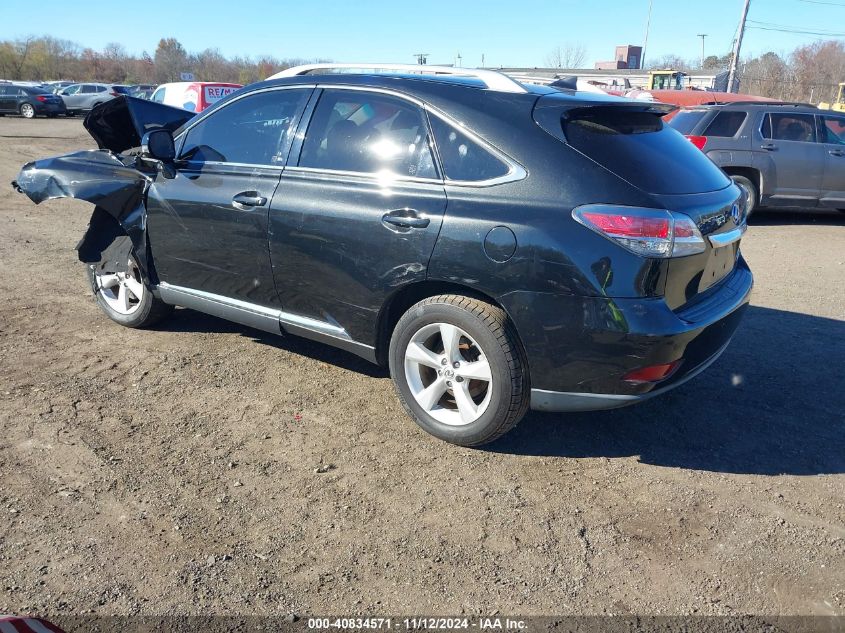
[407,296]
[748,172]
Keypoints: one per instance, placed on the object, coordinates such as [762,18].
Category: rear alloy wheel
[459,369]
[125,297]
[750,191]
[27,111]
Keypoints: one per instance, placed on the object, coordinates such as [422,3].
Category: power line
[831,4]
[796,32]
[790,27]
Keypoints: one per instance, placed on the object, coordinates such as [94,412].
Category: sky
[506,32]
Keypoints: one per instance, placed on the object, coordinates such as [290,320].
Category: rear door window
[639,148]
[726,123]
[463,158]
[790,127]
[255,130]
[834,129]
[365,132]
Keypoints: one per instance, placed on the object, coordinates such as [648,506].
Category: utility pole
[702,36]
[422,58]
[737,46]
[645,39]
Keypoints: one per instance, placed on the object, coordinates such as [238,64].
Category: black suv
[781,154]
[498,246]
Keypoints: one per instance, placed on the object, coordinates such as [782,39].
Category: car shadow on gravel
[185,320]
[802,217]
[773,404]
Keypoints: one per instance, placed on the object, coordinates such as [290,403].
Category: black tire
[146,312]
[489,329]
[750,190]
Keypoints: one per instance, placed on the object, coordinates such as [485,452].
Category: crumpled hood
[119,124]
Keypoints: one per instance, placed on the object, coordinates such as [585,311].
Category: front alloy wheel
[123,292]
[459,369]
[126,297]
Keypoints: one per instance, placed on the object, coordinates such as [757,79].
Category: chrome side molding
[263,318]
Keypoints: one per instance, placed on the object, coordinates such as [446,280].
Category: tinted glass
[726,123]
[790,127]
[158,95]
[463,158]
[639,148]
[834,129]
[121,90]
[72,90]
[4,91]
[369,133]
[686,120]
[254,130]
[36,91]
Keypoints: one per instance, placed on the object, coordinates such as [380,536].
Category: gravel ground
[204,467]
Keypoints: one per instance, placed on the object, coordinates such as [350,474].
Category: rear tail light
[114,93]
[698,141]
[648,232]
[41,98]
[652,373]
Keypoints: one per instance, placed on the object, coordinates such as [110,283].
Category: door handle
[836,152]
[247,199]
[406,219]
[771,147]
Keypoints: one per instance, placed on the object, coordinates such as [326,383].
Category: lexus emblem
[736,213]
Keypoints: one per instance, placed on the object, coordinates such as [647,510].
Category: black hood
[119,124]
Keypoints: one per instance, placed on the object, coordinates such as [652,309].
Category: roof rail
[797,104]
[492,79]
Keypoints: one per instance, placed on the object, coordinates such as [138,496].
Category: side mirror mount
[158,144]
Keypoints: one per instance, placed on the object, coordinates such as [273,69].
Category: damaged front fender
[117,187]
[116,184]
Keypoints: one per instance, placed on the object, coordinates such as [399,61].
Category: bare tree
[567,56]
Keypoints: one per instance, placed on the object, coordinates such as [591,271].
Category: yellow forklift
[666,80]
[839,104]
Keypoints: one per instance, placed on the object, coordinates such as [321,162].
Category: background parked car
[55,86]
[780,154]
[195,96]
[29,102]
[82,97]
[142,91]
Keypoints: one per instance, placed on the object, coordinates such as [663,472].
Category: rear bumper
[50,108]
[581,348]
[563,401]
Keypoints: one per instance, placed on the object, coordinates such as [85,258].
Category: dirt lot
[175,471]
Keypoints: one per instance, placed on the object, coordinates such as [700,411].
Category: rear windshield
[686,120]
[726,123]
[124,90]
[639,148]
